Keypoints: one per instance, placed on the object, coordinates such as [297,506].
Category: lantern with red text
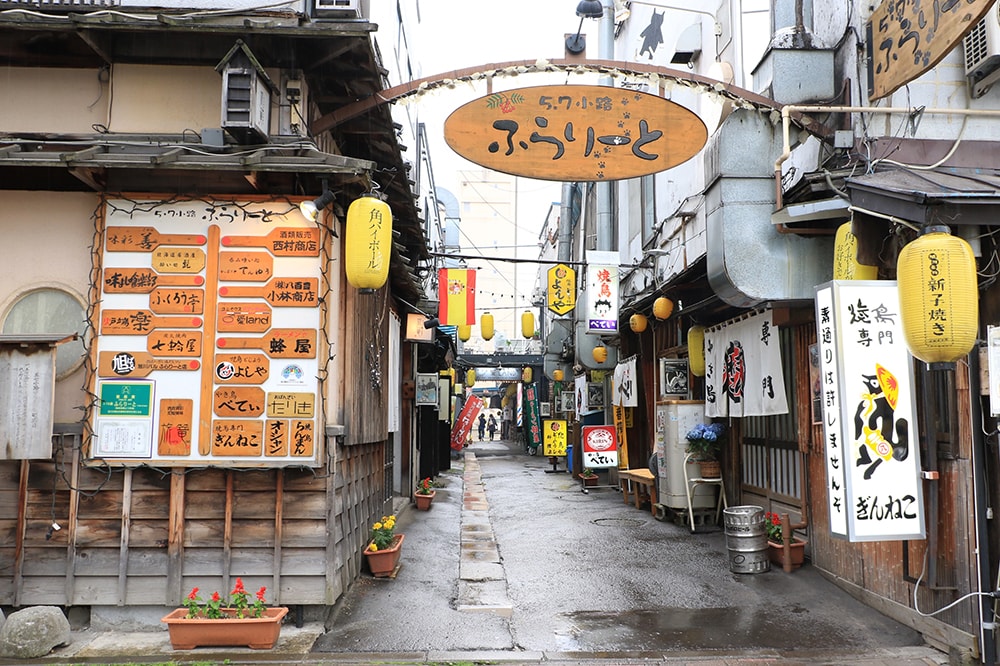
[638,322]
[526,375]
[662,307]
[696,350]
[368,243]
[938,296]
[486,326]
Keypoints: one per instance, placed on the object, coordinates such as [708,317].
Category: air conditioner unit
[341,9]
[982,53]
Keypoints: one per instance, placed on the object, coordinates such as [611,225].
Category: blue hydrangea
[710,432]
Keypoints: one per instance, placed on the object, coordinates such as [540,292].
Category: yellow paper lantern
[557,374]
[526,375]
[938,296]
[845,262]
[528,325]
[638,322]
[368,243]
[464,332]
[486,326]
[600,354]
[663,307]
[470,377]
[696,350]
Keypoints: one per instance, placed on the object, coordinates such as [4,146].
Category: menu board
[209,318]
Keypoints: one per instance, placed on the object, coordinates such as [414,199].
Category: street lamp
[576,44]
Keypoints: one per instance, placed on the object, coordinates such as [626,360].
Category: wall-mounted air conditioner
[982,53]
[338,9]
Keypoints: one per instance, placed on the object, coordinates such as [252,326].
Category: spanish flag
[456,296]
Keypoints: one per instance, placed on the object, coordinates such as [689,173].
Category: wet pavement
[515,564]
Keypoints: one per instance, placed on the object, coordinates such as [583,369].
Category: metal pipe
[606,51]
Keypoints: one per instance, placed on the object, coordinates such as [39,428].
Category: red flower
[194,594]
[216,597]
[239,589]
[260,593]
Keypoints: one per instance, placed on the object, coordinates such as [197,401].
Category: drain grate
[618,522]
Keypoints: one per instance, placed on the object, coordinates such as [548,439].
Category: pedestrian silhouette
[482,426]
[491,425]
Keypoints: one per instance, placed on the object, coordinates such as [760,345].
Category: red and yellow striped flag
[456,296]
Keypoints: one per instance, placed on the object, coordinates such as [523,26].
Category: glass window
[50,311]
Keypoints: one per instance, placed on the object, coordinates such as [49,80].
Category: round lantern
[600,354]
[938,296]
[470,377]
[638,322]
[845,262]
[526,375]
[528,325]
[557,375]
[486,326]
[696,350]
[368,243]
[464,332]
[662,307]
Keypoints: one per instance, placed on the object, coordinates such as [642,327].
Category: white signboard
[870,427]
[601,305]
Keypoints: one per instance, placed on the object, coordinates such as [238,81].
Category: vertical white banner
[836,460]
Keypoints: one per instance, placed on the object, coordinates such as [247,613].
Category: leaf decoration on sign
[504,102]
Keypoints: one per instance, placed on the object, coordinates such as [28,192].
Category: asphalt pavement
[515,564]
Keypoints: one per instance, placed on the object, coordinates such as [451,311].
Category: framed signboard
[673,377]
[427,389]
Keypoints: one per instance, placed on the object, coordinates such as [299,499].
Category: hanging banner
[621,423]
[743,372]
[554,437]
[561,295]
[463,424]
[456,296]
[533,434]
[624,384]
[601,306]
[600,447]
[869,414]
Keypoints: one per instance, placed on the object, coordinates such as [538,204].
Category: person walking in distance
[482,426]
[491,425]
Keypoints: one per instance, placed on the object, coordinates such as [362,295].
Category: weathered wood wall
[147,536]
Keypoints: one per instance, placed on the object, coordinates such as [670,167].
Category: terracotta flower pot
[383,562]
[589,481]
[798,552]
[423,502]
[257,633]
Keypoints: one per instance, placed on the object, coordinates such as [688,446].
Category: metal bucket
[746,539]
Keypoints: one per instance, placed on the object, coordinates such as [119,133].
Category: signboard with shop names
[212,309]
[869,417]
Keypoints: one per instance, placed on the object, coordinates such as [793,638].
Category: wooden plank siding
[145,536]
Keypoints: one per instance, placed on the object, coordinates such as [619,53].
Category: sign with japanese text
[553,437]
[906,39]
[534,419]
[575,133]
[561,296]
[214,306]
[869,415]
[620,417]
[601,307]
[463,422]
[599,446]
[743,371]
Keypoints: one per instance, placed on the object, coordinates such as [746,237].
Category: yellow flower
[377,526]
[372,547]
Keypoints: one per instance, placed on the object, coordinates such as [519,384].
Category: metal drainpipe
[987,641]
[564,237]
[786,124]
[606,51]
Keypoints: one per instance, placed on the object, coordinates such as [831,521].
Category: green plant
[238,599]
[425,487]
[705,440]
[383,533]
[772,523]
[588,473]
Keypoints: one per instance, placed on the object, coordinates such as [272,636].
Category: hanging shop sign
[562,289]
[209,336]
[575,133]
[600,446]
[462,428]
[533,433]
[601,305]
[743,371]
[869,416]
[906,39]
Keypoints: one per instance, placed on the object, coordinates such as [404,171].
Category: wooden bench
[643,489]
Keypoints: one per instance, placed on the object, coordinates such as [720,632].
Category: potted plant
[235,620]
[589,477]
[775,542]
[424,495]
[704,443]
[384,546]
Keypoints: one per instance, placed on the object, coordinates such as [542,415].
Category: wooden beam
[175,540]
[74,515]
[126,522]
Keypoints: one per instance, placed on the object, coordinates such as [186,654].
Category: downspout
[606,51]
[982,512]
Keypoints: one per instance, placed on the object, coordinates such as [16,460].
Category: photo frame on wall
[595,395]
[674,378]
[427,389]
[815,390]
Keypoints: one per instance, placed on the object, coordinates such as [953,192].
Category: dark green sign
[533,424]
[127,399]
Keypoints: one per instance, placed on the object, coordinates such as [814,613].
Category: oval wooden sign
[575,133]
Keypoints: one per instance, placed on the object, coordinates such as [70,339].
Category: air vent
[341,9]
[982,53]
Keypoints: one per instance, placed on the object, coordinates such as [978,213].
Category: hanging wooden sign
[177,301]
[145,239]
[280,292]
[575,133]
[141,322]
[140,364]
[144,280]
[282,242]
[245,266]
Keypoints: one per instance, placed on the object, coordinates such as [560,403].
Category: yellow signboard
[553,437]
[562,289]
[570,133]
